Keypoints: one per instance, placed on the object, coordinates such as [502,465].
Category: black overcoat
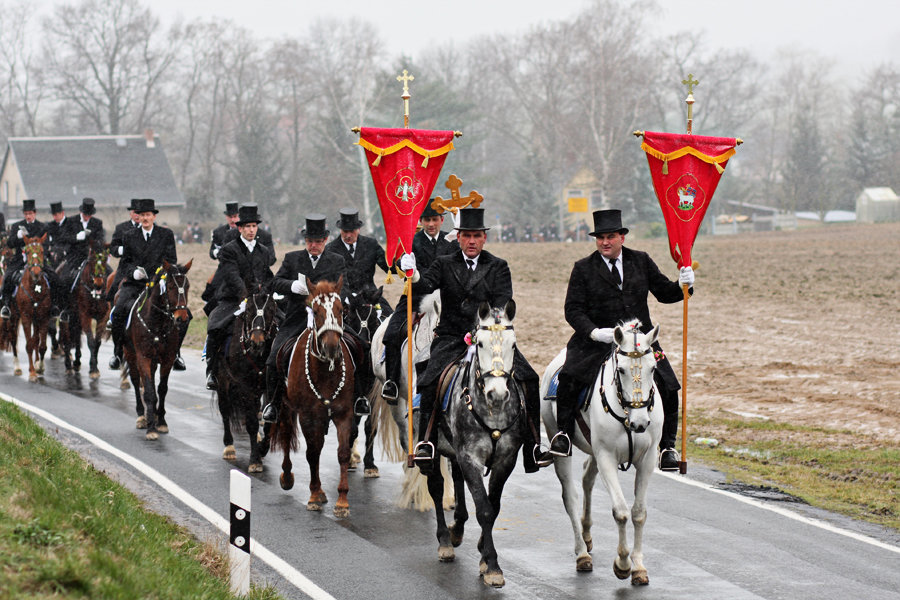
[150,255]
[361,266]
[118,237]
[35,229]
[594,300]
[330,267]
[77,250]
[239,271]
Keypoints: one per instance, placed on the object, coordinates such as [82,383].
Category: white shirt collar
[250,245]
[475,260]
[146,232]
[84,224]
[618,261]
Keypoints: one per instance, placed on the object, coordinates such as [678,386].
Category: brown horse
[151,341]
[91,308]
[32,309]
[319,389]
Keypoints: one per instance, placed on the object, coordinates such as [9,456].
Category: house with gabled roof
[111,169]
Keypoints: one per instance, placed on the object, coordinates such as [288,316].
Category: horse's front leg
[14,342]
[284,432]
[489,568]
[224,400]
[435,481]
[639,515]
[147,371]
[41,332]
[461,511]
[30,348]
[94,337]
[163,389]
[344,428]
[588,479]
[250,403]
[370,470]
[314,434]
[606,462]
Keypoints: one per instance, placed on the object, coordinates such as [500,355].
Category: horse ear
[43,238]
[310,286]
[165,265]
[340,284]
[619,335]
[187,266]
[654,333]
[510,309]
[484,309]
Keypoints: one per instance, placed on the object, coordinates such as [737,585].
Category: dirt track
[799,326]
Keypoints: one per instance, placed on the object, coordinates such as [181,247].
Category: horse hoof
[446,554]
[286,480]
[141,422]
[70,371]
[33,378]
[640,577]
[313,507]
[342,512]
[589,542]
[621,573]
[584,564]
[456,536]
[255,468]
[152,436]
[95,374]
[77,366]
[124,385]
[17,371]
[229,453]
[494,579]
[371,473]
[162,428]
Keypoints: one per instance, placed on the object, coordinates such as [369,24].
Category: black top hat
[231,208]
[132,203]
[144,205]
[315,227]
[28,204]
[471,219]
[248,213]
[87,206]
[429,211]
[55,207]
[349,220]
[608,221]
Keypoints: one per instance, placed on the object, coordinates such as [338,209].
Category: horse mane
[325,287]
[630,324]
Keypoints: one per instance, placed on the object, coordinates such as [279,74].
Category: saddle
[583,397]
[283,354]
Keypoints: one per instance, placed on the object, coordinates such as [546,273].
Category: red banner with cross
[685,170]
[405,165]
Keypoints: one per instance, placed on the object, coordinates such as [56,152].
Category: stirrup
[390,391]
[424,452]
[64,316]
[211,383]
[270,413]
[672,459]
[563,437]
[4,312]
[542,458]
[361,407]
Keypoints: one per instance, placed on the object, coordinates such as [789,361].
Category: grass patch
[196,334]
[68,531]
[832,469]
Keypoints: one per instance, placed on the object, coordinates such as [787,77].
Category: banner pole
[682,465]
[409,370]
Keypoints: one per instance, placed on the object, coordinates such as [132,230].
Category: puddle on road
[759,492]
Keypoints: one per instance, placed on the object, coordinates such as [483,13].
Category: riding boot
[117,336]
[424,450]
[533,456]
[566,401]
[212,359]
[182,332]
[392,364]
[273,395]
[668,457]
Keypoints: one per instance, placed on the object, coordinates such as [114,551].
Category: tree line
[244,118]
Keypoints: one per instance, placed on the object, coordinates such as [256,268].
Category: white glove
[21,233]
[81,235]
[299,287]
[241,308]
[686,276]
[139,274]
[216,252]
[408,262]
[604,335]
[120,251]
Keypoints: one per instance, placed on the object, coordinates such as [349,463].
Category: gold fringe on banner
[666,157]
[404,144]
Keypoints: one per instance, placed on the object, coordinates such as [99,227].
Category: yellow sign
[577,205]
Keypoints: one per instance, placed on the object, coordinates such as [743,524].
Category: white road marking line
[291,574]
[783,512]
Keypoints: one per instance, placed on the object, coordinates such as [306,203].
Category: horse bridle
[364,322]
[96,271]
[636,374]
[181,300]
[326,301]
[29,265]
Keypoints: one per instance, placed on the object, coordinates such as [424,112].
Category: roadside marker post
[239,548]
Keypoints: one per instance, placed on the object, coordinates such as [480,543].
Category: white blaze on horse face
[327,318]
[636,377]
[495,348]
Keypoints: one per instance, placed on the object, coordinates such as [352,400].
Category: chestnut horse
[319,389]
[151,341]
[31,308]
[90,307]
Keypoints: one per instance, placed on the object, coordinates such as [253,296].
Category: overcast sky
[858,34]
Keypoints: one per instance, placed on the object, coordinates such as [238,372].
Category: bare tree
[24,81]
[108,57]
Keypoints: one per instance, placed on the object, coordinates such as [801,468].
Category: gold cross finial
[405,79]
[455,202]
[690,82]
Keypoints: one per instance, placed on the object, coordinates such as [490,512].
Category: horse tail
[387,427]
[285,431]
[414,489]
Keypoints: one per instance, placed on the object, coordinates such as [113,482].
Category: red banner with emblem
[405,165]
[685,170]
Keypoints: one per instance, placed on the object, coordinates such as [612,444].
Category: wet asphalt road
[698,543]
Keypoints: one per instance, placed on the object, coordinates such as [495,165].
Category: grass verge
[68,531]
[836,470]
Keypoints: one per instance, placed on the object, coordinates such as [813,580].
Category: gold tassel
[665,169]
[720,168]
[388,280]
[377,161]
[425,162]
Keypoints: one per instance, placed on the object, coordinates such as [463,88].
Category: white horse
[623,431]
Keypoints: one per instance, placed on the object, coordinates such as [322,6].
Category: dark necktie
[471,264]
[147,236]
[352,250]
[313,260]
[615,272]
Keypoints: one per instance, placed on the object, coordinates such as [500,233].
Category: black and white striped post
[239,549]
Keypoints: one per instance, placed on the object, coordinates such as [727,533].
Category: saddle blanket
[554,385]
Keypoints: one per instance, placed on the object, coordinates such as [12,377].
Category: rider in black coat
[141,257]
[361,254]
[290,280]
[463,288]
[244,264]
[217,236]
[77,235]
[18,231]
[428,243]
[598,299]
